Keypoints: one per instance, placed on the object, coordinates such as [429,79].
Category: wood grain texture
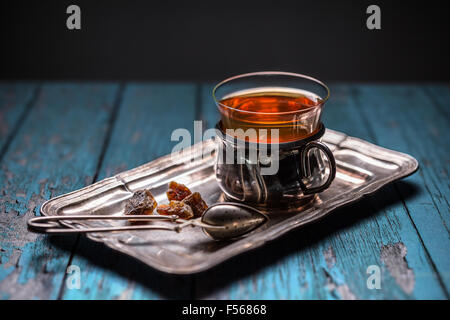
[329,260]
[439,96]
[414,119]
[15,101]
[148,114]
[56,150]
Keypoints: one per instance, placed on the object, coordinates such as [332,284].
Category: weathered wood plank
[439,94]
[15,100]
[415,120]
[326,260]
[329,260]
[56,150]
[148,115]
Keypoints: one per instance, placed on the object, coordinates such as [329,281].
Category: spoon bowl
[236,220]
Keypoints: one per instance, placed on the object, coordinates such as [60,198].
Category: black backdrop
[201,40]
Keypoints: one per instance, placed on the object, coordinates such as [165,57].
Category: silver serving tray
[362,168]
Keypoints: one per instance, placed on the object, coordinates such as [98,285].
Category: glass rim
[271,73]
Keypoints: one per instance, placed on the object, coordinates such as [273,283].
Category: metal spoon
[237,220]
[221,221]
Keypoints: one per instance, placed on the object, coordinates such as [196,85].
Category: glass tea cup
[289,102]
[269,137]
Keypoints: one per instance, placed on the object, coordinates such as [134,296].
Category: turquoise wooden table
[58,137]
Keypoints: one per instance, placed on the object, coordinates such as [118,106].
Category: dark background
[209,40]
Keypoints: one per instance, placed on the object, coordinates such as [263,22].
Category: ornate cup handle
[306,169]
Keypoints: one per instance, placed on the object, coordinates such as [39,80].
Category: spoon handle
[51,224]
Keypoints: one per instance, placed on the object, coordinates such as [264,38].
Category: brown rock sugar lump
[197,204]
[177,191]
[176,207]
[142,202]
